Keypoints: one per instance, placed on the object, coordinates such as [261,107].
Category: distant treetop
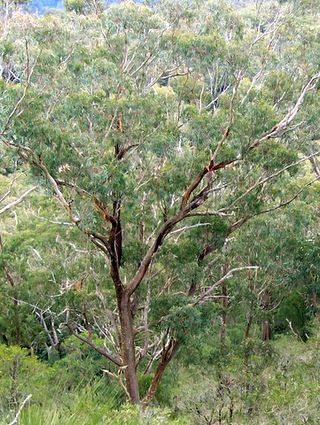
[41,6]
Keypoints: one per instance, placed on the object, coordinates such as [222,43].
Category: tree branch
[266,179]
[291,114]
[18,200]
[113,358]
[228,275]
[16,419]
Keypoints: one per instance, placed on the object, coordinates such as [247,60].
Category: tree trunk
[315,302]
[248,326]
[15,306]
[225,304]
[17,321]
[15,299]
[166,357]
[266,331]
[266,328]
[250,315]
[128,348]
[224,301]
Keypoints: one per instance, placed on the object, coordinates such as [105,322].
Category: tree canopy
[166,157]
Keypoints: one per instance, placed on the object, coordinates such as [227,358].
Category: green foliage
[21,374]
[256,391]
[273,156]
[292,315]
[125,106]
[88,411]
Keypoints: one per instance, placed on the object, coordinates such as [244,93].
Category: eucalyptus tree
[160,134]
[8,202]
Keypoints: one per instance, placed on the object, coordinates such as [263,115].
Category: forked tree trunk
[128,348]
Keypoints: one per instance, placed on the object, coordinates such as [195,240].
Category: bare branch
[289,201]
[245,219]
[16,419]
[21,99]
[228,275]
[266,179]
[290,116]
[182,229]
[112,357]
[18,200]
[315,165]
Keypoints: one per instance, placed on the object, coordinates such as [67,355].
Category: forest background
[159,207]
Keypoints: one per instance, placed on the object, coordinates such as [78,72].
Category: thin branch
[113,358]
[21,99]
[18,200]
[245,219]
[220,281]
[118,378]
[268,178]
[147,59]
[208,214]
[289,201]
[16,419]
[289,117]
[5,195]
[182,229]
[316,166]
